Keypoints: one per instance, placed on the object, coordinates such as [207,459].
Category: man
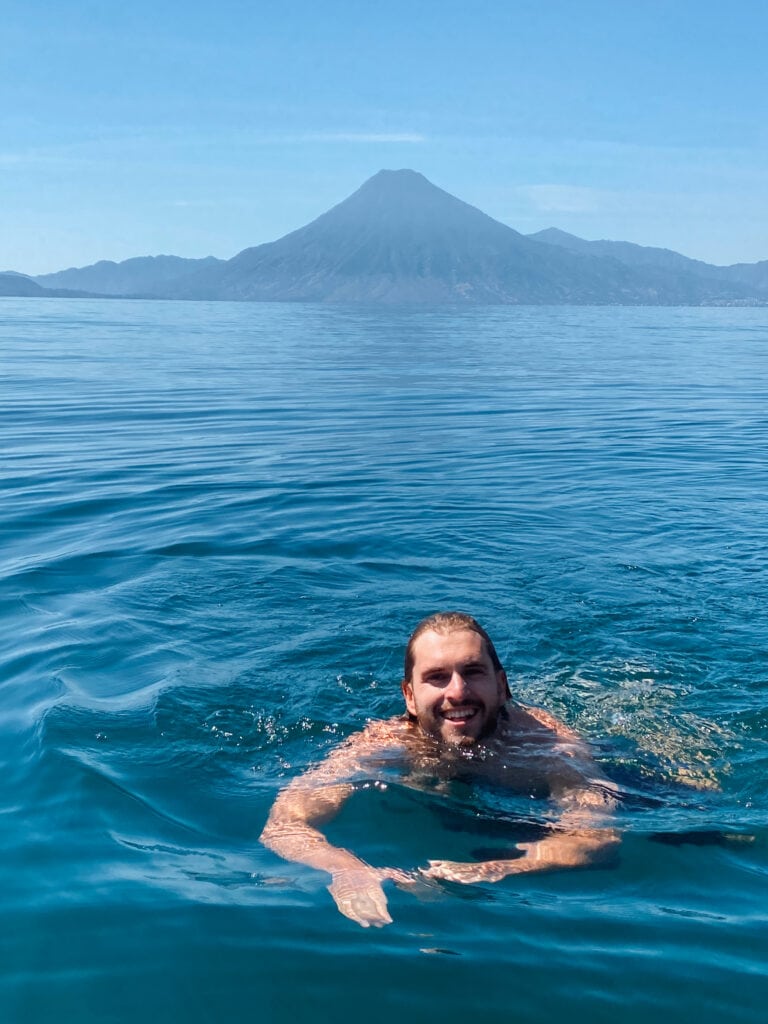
[460,722]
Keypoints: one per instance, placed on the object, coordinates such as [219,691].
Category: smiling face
[454,692]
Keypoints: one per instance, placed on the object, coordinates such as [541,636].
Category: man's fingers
[451,871]
[364,910]
[403,879]
[360,897]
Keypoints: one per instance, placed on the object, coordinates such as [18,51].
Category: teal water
[220,522]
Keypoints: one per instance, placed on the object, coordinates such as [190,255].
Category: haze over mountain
[399,239]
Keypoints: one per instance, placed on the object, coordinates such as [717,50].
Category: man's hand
[564,850]
[359,894]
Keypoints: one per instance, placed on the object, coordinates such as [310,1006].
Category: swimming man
[460,722]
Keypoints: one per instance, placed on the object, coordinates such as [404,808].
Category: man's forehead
[437,646]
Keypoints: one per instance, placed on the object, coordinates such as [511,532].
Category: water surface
[221,521]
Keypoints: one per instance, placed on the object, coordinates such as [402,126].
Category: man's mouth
[462,714]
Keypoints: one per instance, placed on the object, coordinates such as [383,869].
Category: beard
[434,726]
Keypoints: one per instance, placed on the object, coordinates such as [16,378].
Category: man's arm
[311,800]
[582,834]
[580,838]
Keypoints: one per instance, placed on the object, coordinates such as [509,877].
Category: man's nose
[457,688]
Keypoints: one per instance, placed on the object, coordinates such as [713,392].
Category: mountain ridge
[128,278]
[632,254]
[400,239]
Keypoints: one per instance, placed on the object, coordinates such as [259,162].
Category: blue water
[221,521]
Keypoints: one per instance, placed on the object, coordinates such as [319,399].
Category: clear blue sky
[195,128]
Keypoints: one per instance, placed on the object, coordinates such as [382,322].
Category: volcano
[399,239]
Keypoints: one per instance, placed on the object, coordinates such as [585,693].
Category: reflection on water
[220,524]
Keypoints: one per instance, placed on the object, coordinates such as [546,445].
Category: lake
[220,524]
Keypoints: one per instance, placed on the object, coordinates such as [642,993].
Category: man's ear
[407,689]
[504,691]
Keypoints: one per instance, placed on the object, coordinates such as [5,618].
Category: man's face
[455,694]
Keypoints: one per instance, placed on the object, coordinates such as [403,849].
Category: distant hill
[626,252]
[752,276]
[141,275]
[18,284]
[401,239]
[21,286]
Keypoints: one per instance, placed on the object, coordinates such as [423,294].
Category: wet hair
[448,622]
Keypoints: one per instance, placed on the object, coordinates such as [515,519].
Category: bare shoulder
[569,751]
[574,776]
[551,722]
